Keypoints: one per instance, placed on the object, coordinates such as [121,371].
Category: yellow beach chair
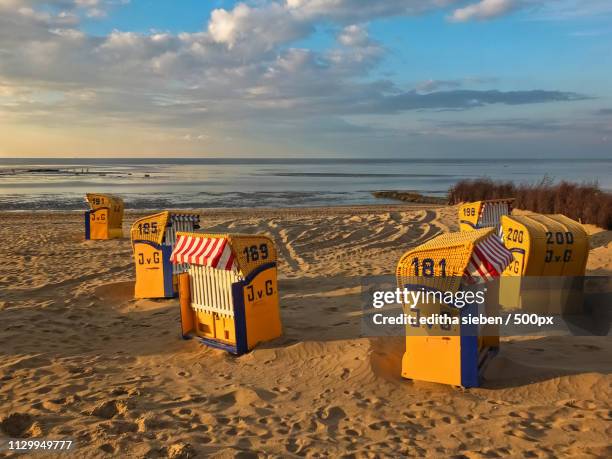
[483,214]
[554,250]
[104,220]
[455,353]
[229,294]
[153,239]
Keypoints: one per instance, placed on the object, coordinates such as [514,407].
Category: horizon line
[280,158]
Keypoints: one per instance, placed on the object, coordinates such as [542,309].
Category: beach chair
[483,214]
[550,254]
[453,354]
[229,294]
[153,239]
[104,219]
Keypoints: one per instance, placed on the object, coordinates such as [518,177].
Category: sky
[318,78]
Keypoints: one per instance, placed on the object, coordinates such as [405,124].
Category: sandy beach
[82,360]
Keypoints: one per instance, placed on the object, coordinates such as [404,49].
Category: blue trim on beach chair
[240,317]
[219,345]
[87,225]
[167,267]
[470,360]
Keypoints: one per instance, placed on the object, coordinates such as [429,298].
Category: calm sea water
[59,184]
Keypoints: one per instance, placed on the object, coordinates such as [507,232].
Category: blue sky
[306,78]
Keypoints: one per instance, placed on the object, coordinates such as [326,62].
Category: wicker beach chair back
[483,214]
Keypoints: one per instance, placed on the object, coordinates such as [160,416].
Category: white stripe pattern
[488,260]
[203,251]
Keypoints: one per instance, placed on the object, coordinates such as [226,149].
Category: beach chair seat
[104,219]
[457,353]
[483,214]
[153,239]
[229,294]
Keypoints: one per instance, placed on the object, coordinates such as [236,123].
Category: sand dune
[82,359]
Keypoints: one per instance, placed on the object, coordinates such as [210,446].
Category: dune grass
[584,202]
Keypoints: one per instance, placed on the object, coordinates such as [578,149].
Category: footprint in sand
[110,449]
[21,425]
[149,422]
[353,432]
[581,404]
[292,446]
[331,416]
[281,390]
[572,428]
[52,406]
[119,427]
[520,434]
[109,409]
[379,425]
[181,451]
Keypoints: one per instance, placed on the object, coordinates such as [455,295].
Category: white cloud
[360,10]
[354,35]
[484,9]
[224,25]
[257,27]
[554,10]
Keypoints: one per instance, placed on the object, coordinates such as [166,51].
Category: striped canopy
[489,259]
[214,252]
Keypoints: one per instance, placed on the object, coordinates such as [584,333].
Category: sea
[186,183]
